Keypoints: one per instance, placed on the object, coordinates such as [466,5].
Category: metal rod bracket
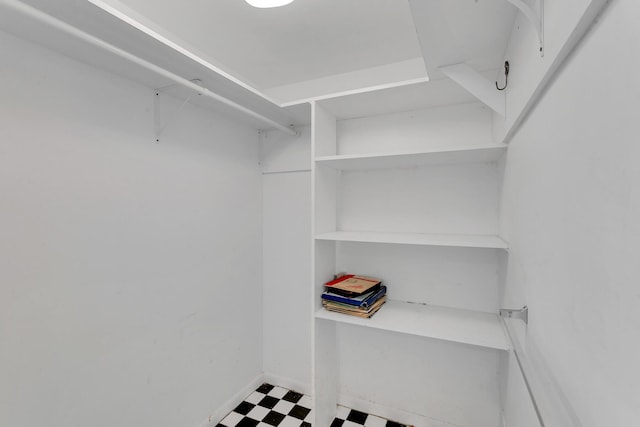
[535,15]
[516,313]
[158,126]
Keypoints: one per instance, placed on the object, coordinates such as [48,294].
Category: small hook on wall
[506,76]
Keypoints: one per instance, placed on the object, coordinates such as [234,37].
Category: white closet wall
[571,209]
[131,270]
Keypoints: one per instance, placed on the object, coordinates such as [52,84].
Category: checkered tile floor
[271,406]
[346,417]
[275,406]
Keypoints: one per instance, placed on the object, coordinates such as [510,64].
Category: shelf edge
[326,315]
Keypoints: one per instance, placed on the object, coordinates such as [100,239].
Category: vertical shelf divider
[324,212]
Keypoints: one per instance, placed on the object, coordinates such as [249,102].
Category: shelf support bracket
[517,313]
[477,85]
[158,126]
[535,15]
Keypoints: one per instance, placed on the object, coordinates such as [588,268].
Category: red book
[351,285]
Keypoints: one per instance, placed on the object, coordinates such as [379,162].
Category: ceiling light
[268,3]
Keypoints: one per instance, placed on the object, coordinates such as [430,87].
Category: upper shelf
[453,240]
[71,27]
[449,324]
[353,162]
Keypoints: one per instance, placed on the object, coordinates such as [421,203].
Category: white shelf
[449,324]
[455,240]
[99,23]
[354,162]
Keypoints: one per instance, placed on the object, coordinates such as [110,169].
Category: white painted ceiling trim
[366,80]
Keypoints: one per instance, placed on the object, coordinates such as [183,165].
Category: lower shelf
[449,324]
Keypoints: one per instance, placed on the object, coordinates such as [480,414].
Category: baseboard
[237,398]
[288,383]
[230,404]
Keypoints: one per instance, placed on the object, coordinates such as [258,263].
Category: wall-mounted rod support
[535,16]
[518,313]
[157,125]
[73,31]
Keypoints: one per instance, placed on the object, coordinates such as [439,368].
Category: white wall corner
[288,383]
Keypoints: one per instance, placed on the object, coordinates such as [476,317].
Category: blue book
[363,301]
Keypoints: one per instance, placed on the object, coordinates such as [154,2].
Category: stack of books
[355,295]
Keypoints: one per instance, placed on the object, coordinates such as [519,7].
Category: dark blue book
[364,300]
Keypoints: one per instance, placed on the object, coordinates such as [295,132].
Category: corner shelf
[471,154]
[455,240]
[443,323]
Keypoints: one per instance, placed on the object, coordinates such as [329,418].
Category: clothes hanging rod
[71,30]
[548,402]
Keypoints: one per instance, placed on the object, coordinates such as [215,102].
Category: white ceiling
[305,40]
[317,49]
[355,54]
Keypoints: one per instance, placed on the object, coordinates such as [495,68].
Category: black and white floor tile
[346,417]
[271,406]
